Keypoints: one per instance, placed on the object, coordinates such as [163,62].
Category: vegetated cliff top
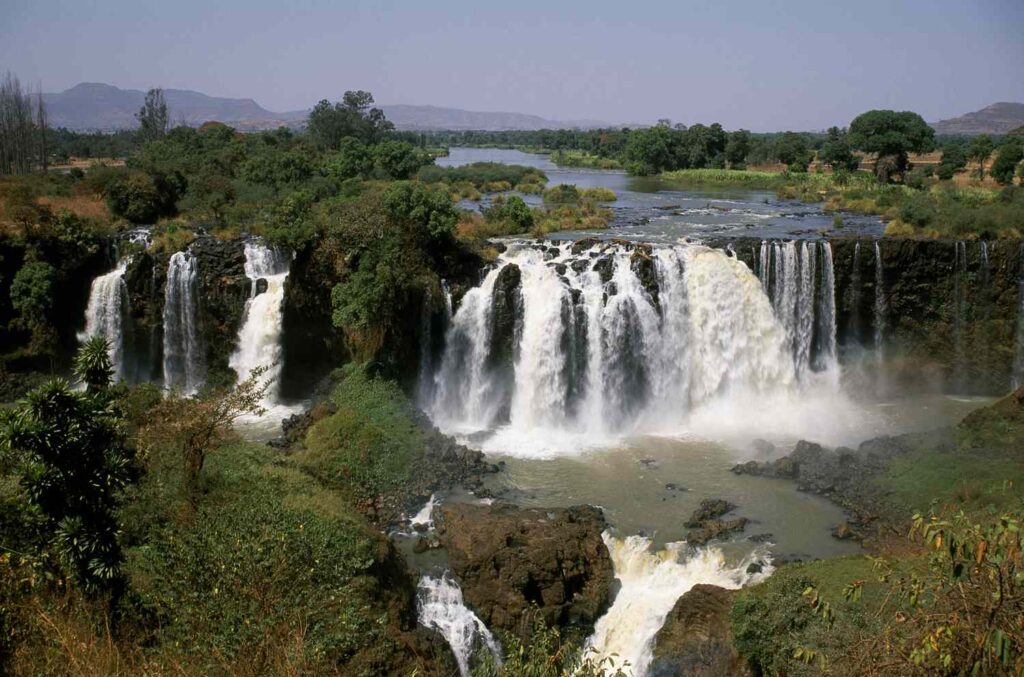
[91,106]
[999,118]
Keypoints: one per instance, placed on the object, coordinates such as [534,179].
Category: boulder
[507,558]
[711,508]
[696,638]
[712,529]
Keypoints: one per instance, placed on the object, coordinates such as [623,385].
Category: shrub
[598,194]
[562,194]
[142,198]
[513,216]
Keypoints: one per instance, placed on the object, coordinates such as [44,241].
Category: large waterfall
[440,606]
[105,315]
[259,338]
[184,366]
[650,584]
[566,340]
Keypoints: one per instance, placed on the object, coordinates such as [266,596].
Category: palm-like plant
[93,366]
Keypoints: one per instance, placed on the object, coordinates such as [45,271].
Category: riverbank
[931,209]
[935,598]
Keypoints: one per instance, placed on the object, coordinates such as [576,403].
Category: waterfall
[880,306]
[183,356]
[440,606]
[259,338]
[959,311]
[105,315]
[855,291]
[617,338]
[650,584]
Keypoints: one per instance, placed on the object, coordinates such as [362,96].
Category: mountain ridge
[96,106]
[997,118]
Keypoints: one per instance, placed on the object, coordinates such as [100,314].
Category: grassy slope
[982,473]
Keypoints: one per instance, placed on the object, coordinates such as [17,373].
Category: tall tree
[892,136]
[837,152]
[353,116]
[152,116]
[1010,155]
[22,128]
[737,147]
[980,150]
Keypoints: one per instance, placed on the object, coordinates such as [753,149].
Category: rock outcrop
[507,559]
[705,525]
[696,639]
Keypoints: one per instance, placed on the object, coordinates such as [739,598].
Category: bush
[482,173]
[142,198]
[513,216]
[562,194]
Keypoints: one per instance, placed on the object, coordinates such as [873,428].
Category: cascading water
[616,339]
[880,309]
[259,338]
[105,315]
[440,606]
[855,292]
[650,584]
[184,366]
[425,380]
[960,311]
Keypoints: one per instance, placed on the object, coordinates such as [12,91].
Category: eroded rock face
[507,558]
[697,639]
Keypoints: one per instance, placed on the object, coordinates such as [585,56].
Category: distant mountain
[999,118]
[101,107]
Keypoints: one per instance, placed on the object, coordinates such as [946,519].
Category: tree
[1011,153]
[954,158]
[353,116]
[152,116]
[980,150]
[837,152]
[195,425]
[93,366]
[142,197]
[398,160]
[891,136]
[23,128]
[32,296]
[429,212]
[791,150]
[73,463]
[736,148]
[352,160]
[650,151]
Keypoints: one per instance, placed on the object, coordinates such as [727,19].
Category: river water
[649,209]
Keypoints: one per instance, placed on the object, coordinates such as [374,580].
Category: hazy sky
[759,64]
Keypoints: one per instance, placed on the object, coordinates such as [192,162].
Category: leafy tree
[25,212]
[32,296]
[73,463]
[142,197]
[196,425]
[152,116]
[791,150]
[277,167]
[398,160]
[514,211]
[428,211]
[1009,156]
[954,158]
[353,116]
[737,148]
[980,150]
[891,136]
[837,152]
[650,151]
[352,160]
[291,223]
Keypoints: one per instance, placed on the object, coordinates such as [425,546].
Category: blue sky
[759,64]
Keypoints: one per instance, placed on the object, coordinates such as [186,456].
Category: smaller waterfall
[105,315]
[440,606]
[651,582]
[960,311]
[259,338]
[184,365]
[880,305]
[827,360]
[855,297]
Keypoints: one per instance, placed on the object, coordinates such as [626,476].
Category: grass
[582,159]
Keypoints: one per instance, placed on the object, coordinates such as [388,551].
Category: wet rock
[711,508]
[763,447]
[261,285]
[760,538]
[843,532]
[507,558]
[580,265]
[584,244]
[642,264]
[648,463]
[696,638]
[672,486]
[506,300]
[605,268]
[712,529]
[755,568]
[560,268]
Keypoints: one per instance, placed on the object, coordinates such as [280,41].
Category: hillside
[999,118]
[97,106]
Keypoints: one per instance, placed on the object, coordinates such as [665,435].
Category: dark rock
[261,285]
[642,264]
[648,463]
[755,568]
[506,558]
[712,529]
[580,265]
[843,532]
[760,538]
[605,267]
[711,508]
[672,486]
[763,447]
[696,638]
[582,245]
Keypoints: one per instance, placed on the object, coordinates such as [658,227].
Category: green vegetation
[891,137]
[483,174]
[574,158]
